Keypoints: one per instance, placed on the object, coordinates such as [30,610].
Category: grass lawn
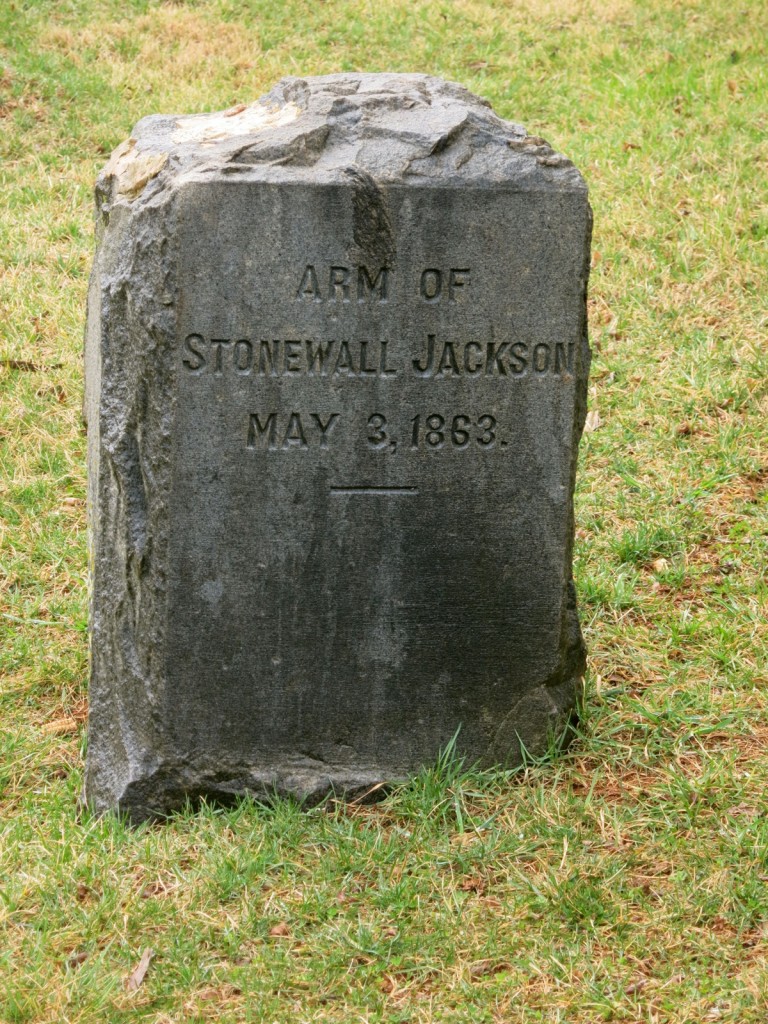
[626,881]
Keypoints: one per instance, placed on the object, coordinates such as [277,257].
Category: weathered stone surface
[336,368]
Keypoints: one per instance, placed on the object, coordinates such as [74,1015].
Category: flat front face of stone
[336,372]
[372,458]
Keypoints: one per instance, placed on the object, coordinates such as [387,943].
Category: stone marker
[336,368]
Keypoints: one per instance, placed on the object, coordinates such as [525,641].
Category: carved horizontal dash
[391,492]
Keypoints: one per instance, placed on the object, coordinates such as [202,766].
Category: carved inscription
[432,358]
[437,358]
[285,358]
[344,284]
[434,431]
[339,285]
[432,281]
[494,358]
[291,431]
[298,431]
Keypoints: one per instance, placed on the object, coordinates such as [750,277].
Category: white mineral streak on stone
[133,169]
[256,118]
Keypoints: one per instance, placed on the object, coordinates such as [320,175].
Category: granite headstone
[336,370]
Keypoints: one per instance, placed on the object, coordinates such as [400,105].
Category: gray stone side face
[130,341]
[336,373]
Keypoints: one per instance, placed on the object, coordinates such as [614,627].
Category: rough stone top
[411,128]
